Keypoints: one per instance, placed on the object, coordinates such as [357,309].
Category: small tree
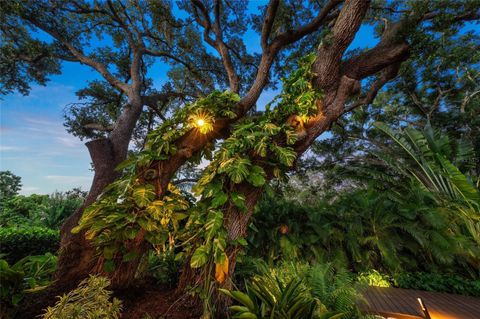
[10,185]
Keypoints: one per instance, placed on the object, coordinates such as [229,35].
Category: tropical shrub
[374,278]
[325,291]
[268,297]
[90,299]
[335,288]
[278,229]
[367,229]
[449,283]
[19,210]
[17,243]
[164,267]
[29,274]
[40,210]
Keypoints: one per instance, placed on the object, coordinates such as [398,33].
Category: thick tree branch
[268,22]
[99,67]
[291,36]
[386,75]
[218,44]
[330,53]
[99,127]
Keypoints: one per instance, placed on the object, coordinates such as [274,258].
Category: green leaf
[199,257]
[286,155]
[242,241]
[156,208]
[256,176]
[243,299]
[261,147]
[237,169]
[108,266]
[76,229]
[16,299]
[131,161]
[219,199]
[245,315]
[214,223]
[239,201]
[179,216]
[147,224]
[143,195]
[129,256]
[109,252]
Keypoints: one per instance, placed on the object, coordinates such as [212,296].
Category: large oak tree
[206,50]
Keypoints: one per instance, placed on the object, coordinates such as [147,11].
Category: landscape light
[202,121]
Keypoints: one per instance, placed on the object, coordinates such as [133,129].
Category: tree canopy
[423,68]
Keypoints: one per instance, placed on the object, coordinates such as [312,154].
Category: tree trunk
[76,256]
[236,223]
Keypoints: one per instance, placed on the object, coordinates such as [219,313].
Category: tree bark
[77,258]
[236,223]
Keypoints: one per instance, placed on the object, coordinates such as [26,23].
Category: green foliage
[111,224]
[430,151]
[242,158]
[267,297]
[29,274]
[40,210]
[373,278]
[319,291]
[90,299]
[449,283]
[131,205]
[335,288]
[164,267]
[10,184]
[17,243]
[366,229]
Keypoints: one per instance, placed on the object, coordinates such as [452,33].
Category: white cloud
[5,148]
[69,141]
[28,190]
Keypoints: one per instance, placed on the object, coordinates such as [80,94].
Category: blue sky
[34,143]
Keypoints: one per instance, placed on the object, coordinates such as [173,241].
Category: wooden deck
[402,304]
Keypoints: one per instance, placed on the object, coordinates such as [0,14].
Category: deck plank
[402,304]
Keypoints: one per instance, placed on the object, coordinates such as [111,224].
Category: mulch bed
[157,302]
[145,299]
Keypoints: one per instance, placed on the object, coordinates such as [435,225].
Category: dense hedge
[438,282]
[19,242]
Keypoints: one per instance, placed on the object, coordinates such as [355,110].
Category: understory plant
[30,274]
[449,283]
[19,242]
[374,278]
[90,299]
[297,290]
